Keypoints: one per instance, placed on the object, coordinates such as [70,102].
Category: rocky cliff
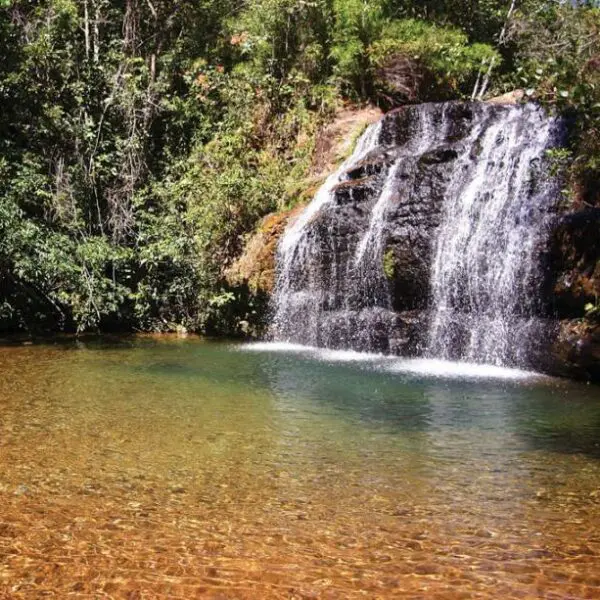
[574,294]
[365,277]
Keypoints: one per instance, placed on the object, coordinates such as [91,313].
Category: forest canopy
[141,140]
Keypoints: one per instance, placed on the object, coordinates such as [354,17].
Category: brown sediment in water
[145,473]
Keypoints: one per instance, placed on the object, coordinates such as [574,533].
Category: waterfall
[485,276]
[331,290]
[297,311]
[456,198]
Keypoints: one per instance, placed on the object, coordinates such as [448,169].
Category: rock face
[369,266]
[514,97]
[574,291]
[574,351]
[255,268]
[575,261]
[335,141]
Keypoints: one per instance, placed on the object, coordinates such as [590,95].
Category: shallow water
[153,468]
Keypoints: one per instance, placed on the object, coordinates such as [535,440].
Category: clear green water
[184,468]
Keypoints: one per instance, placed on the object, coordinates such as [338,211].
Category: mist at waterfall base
[463,189]
[417,367]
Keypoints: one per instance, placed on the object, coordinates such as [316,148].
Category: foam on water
[319,353]
[275,347]
[414,366]
[460,370]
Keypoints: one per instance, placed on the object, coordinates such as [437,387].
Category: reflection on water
[179,469]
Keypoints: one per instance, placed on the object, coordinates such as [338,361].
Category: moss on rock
[256,267]
[389,264]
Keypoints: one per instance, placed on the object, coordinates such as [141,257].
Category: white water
[418,366]
[370,246]
[484,276]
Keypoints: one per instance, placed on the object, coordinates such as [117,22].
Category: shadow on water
[564,418]
[542,413]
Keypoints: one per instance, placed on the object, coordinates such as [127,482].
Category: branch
[152,9]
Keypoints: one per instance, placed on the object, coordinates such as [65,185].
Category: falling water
[331,288]
[485,276]
[298,307]
[461,194]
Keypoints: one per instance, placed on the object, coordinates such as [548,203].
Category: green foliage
[358,24]
[442,51]
[560,158]
[481,20]
[592,311]
[389,264]
[140,142]
[558,62]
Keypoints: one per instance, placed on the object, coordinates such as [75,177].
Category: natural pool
[147,468]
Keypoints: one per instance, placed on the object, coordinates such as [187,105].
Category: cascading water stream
[485,278]
[297,310]
[295,236]
[370,250]
[459,195]
[371,245]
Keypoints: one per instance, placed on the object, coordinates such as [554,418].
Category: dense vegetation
[140,140]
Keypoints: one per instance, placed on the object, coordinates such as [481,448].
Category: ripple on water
[187,469]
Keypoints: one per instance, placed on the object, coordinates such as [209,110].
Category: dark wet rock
[355,192]
[575,351]
[574,262]
[572,295]
[440,155]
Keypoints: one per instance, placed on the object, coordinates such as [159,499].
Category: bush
[438,62]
